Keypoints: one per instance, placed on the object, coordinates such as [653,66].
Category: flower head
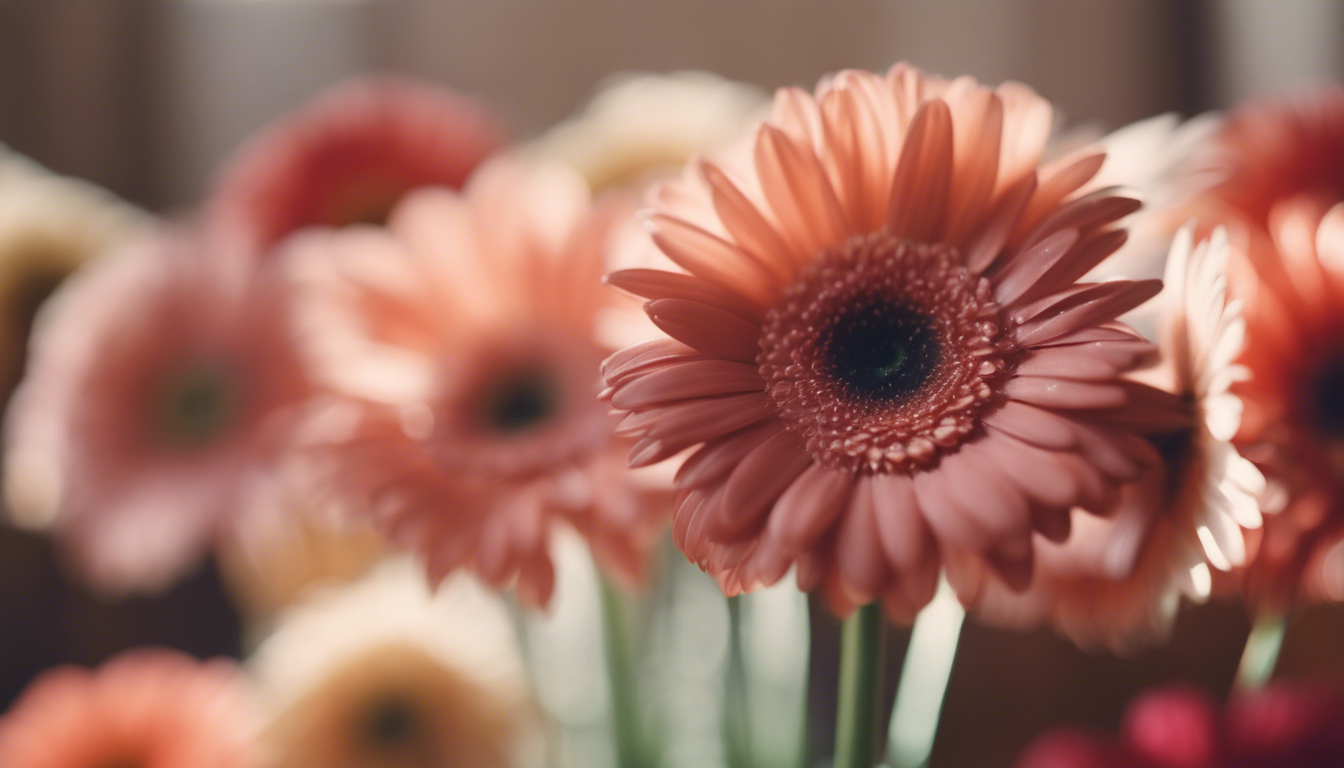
[384,673]
[1294,420]
[1118,580]
[49,226]
[153,708]
[878,347]
[349,157]
[163,381]
[466,339]
[641,125]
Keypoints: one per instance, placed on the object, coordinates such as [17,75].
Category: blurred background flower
[384,674]
[148,707]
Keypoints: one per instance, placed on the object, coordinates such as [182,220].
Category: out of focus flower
[640,126]
[1294,420]
[153,708]
[880,350]
[163,382]
[1279,727]
[49,226]
[1273,150]
[349,157]
[469,330]
[385,674]
[291,549]
[1117,581]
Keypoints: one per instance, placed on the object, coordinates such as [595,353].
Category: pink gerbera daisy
[1294,421]
[467,337]
[143,709]
[1118,580]
[162,381]
[878,347]
[349,156]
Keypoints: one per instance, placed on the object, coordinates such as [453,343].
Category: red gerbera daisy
[349,156]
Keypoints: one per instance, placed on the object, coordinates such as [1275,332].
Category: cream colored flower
[49,226]
[384,673]
[640,125]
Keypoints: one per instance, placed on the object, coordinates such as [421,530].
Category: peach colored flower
[151,708]
[465,338]
[385,673]
[349,156]
[878,347]
[1118,580]
[162,384]
[1294,420]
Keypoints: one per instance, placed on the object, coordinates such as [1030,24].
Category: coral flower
[49,226]
[467,337]
[349,156]
[1269,151]
[878,348]
[150,708]
[641,125]
[163,382]
[1118,580]
[1294,420]
[383,674]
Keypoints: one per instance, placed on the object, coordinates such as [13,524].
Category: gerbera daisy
[384,673]
[467,339]
[641,125]
[163,381]
[878,347]
[49,226]
[349,157]
[1118,580]
[151,708]
[1268,151]
[1294,420]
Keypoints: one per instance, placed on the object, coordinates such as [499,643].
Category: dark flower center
[392,721]
[1328,399]
[882,350]
[521,401]
[197,404]
[883,353]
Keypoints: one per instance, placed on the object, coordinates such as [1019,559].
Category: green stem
[737,713]
[625,711]
[861,668]
[924,677]
[1262,651]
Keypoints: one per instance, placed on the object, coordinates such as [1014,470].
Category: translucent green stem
[924,677]
[625,710]
[737,712]
[861,667]
[1262,652]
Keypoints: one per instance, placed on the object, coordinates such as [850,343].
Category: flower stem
[737,713]
[1262,651]
[625,710]
[861,669]
[924,677]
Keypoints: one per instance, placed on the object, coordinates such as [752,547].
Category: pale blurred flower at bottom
[384,673]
